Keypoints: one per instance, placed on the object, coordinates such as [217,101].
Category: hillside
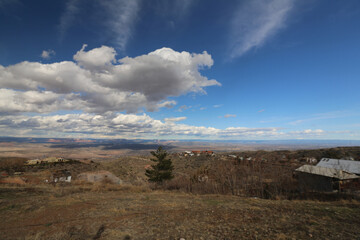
[136,213]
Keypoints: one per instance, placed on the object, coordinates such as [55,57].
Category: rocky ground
[125,212]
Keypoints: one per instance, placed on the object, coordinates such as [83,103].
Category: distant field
[101,150]
[105,212]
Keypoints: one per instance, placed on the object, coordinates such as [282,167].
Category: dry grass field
[127,212]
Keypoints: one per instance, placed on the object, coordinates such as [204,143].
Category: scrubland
[211,197]
[103,211]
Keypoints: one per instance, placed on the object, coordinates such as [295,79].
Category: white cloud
[132,126]
[33,101]
[176,119]
[308,132]
[230,116]
[98,83]
[255,22]
[120,16]
[72,9]
[46,54]
[116,18]
[183,108]
[95,58]
[218,105]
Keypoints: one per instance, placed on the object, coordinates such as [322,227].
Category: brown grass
[37,213]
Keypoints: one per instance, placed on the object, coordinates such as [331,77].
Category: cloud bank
[97,83]
[255,21]
[132,126]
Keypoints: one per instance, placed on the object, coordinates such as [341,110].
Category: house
[345,165]
[208,153]
[54,160]
[188,153]
[46,160]
[197,153]
[311,160]
[324,179]
[60,176]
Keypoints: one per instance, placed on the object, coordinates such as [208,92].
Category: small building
[49,160]
[311,160]
[322,179]
[197,153]
[344,165]
[46,161]
[60,176]
[208,153]
[188,153]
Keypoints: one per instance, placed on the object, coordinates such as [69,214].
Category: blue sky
[180,69]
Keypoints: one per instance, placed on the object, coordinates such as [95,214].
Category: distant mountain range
[77,141]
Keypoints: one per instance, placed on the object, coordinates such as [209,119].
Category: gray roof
[345,165]
[327,172]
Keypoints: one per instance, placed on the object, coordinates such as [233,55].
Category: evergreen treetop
[163,168]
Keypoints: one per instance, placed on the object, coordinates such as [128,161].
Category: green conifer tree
[163,168]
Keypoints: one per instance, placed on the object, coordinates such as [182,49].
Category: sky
[180,69]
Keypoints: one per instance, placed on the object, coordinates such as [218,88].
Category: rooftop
[327,172]
[345,165]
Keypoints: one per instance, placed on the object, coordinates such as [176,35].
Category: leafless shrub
[235,177]
[12,164]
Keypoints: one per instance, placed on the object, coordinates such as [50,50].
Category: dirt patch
[12,180]
[99,176]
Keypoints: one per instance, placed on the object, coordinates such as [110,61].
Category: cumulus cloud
[46,54]
[131,126]
[95,58]
[256,21]
[230,116]
[33,101]
[99,83]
